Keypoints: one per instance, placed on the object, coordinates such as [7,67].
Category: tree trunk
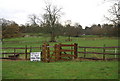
[69,38]
[52,37]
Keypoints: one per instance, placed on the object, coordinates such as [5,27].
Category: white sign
[35,56]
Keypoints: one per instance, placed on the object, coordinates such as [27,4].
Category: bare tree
[51,18]
[114,16]
[33,19]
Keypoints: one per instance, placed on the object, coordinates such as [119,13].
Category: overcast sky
[84,12]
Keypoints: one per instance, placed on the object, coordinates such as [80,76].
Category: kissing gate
[59,52]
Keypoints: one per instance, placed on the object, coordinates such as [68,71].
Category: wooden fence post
[55,48]
[84,52]
[30,51]
[115,53]
[44,53]
[104,52]
[57,52]
[2,55]
[26,52]
[14,52]
[71,49]
[75,50]
[60,51]
[48,53]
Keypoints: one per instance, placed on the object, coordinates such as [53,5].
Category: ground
[60,70]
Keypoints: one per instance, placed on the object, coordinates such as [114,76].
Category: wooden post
[55,52]
[14,52]
[71,49]
[85,52]
[75,50]
[44,52]
[104,53]
[2,55]
[26,52]
[115,53]
[59,51]
[30,51]
[46,59]
[48,53]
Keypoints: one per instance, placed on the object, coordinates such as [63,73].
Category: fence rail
[100,53]
[19,47]
[84,52]
[53,46]
[14,53]
[99,47]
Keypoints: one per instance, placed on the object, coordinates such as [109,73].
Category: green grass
[60,70]
[82,41]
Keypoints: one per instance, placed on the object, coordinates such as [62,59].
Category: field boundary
[57,52]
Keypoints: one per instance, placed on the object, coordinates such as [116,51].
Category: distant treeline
[11,29]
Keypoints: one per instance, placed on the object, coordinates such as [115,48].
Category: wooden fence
[14,53]
[58,52]
[103,53]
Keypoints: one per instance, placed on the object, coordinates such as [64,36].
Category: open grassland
[82,41]
[60,70]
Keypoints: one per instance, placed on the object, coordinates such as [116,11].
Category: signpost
[35,56]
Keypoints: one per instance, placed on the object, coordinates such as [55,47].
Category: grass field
[82,41]
[88,41]
[60,70]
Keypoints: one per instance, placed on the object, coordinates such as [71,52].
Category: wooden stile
[57,52]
